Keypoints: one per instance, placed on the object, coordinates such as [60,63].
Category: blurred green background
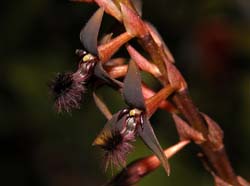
[210,41]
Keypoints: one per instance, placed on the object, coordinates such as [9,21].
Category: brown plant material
[219,182]
[143,63]
[110,8]
[132,22]
[102,107]
[153,102]
[186,132]
[117,71]
[158,39]
[242,181]
[164,104]
[136,170]
[175,78]
[215,133]
[106,50]
[114,62]
[127,3]
[218,159]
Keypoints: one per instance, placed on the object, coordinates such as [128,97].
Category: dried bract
[132,22]
[186,132]
[215,133]
[110,8]
[175,78]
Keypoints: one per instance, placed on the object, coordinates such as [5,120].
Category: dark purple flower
[128,123]
[117,146]
[116,141]
[67,89]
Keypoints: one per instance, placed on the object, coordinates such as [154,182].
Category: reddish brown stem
[217,158]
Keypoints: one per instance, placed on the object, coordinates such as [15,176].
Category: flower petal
[147,134]
[115,123]
[132,91]
[89,33]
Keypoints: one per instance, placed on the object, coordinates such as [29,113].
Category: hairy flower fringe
[67,89]
[116,146]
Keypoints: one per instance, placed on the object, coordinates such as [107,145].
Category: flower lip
[89,33]
[67,89]
[61,84]
[116,146]
[112,141]
[116,138]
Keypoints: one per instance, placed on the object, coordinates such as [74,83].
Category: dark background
[210,41]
